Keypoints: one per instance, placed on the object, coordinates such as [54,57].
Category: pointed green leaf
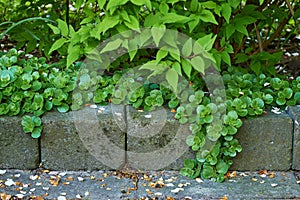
[142,2]
[133,24]
[172,78]
[73,54]
[207,41]
[177,67]
[63,27]
[101,3]
[113,45]
[198,64]
[187,67]
[115,3]
[175,18]
[55,30]
[57,44]
[226,11]
[187,48]
[208,16]
[157,33]
[161,54]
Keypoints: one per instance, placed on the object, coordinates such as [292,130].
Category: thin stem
[25,20]
[258,38]
[290,7]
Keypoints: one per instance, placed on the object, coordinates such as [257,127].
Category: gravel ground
[103,185]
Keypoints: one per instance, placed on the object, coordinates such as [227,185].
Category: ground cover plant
[242,39]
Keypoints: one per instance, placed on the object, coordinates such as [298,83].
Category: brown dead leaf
[265,172]
[231,174]
[173,110]
[272,175]
[148,191]
[170,198]
[224,197]
[19,184]
[70,178]
[54,180]
[5,196]
[46,171]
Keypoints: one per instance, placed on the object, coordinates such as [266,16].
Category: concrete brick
[88,139]
[266,142]
[17,149]
[294,112]
[155,140]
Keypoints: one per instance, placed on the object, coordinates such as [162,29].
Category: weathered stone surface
[266,142]
[155,140]
[88,139]
[17,149]
[294,112]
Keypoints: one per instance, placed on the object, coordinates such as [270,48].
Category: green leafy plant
[32,125]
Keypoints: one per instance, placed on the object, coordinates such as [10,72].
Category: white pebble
[148,116]
[2,172]
[9,182]
[61,198]
[80,179]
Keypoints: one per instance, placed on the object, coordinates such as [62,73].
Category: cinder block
[155,140]
[294,112]
[17,149]
[88,139]
[266,142]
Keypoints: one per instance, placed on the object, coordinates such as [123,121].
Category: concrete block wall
[110,136]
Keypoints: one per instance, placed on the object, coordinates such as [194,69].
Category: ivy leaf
[187,48]
[172,78]
[63,27]
[57,44]
[208,16]
[113,45]
[198,64]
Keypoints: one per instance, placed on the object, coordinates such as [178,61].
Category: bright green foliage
[221,33]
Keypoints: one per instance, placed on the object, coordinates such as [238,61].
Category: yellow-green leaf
[63,27]
[172,78]
[198,64]
[187,48]
[57,44]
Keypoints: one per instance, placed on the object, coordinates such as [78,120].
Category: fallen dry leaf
[5,196]
[224,197]
[254,179]
[272,175]
[265,172]
[70,178]
[148,191]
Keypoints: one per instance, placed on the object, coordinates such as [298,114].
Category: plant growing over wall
[226,31]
